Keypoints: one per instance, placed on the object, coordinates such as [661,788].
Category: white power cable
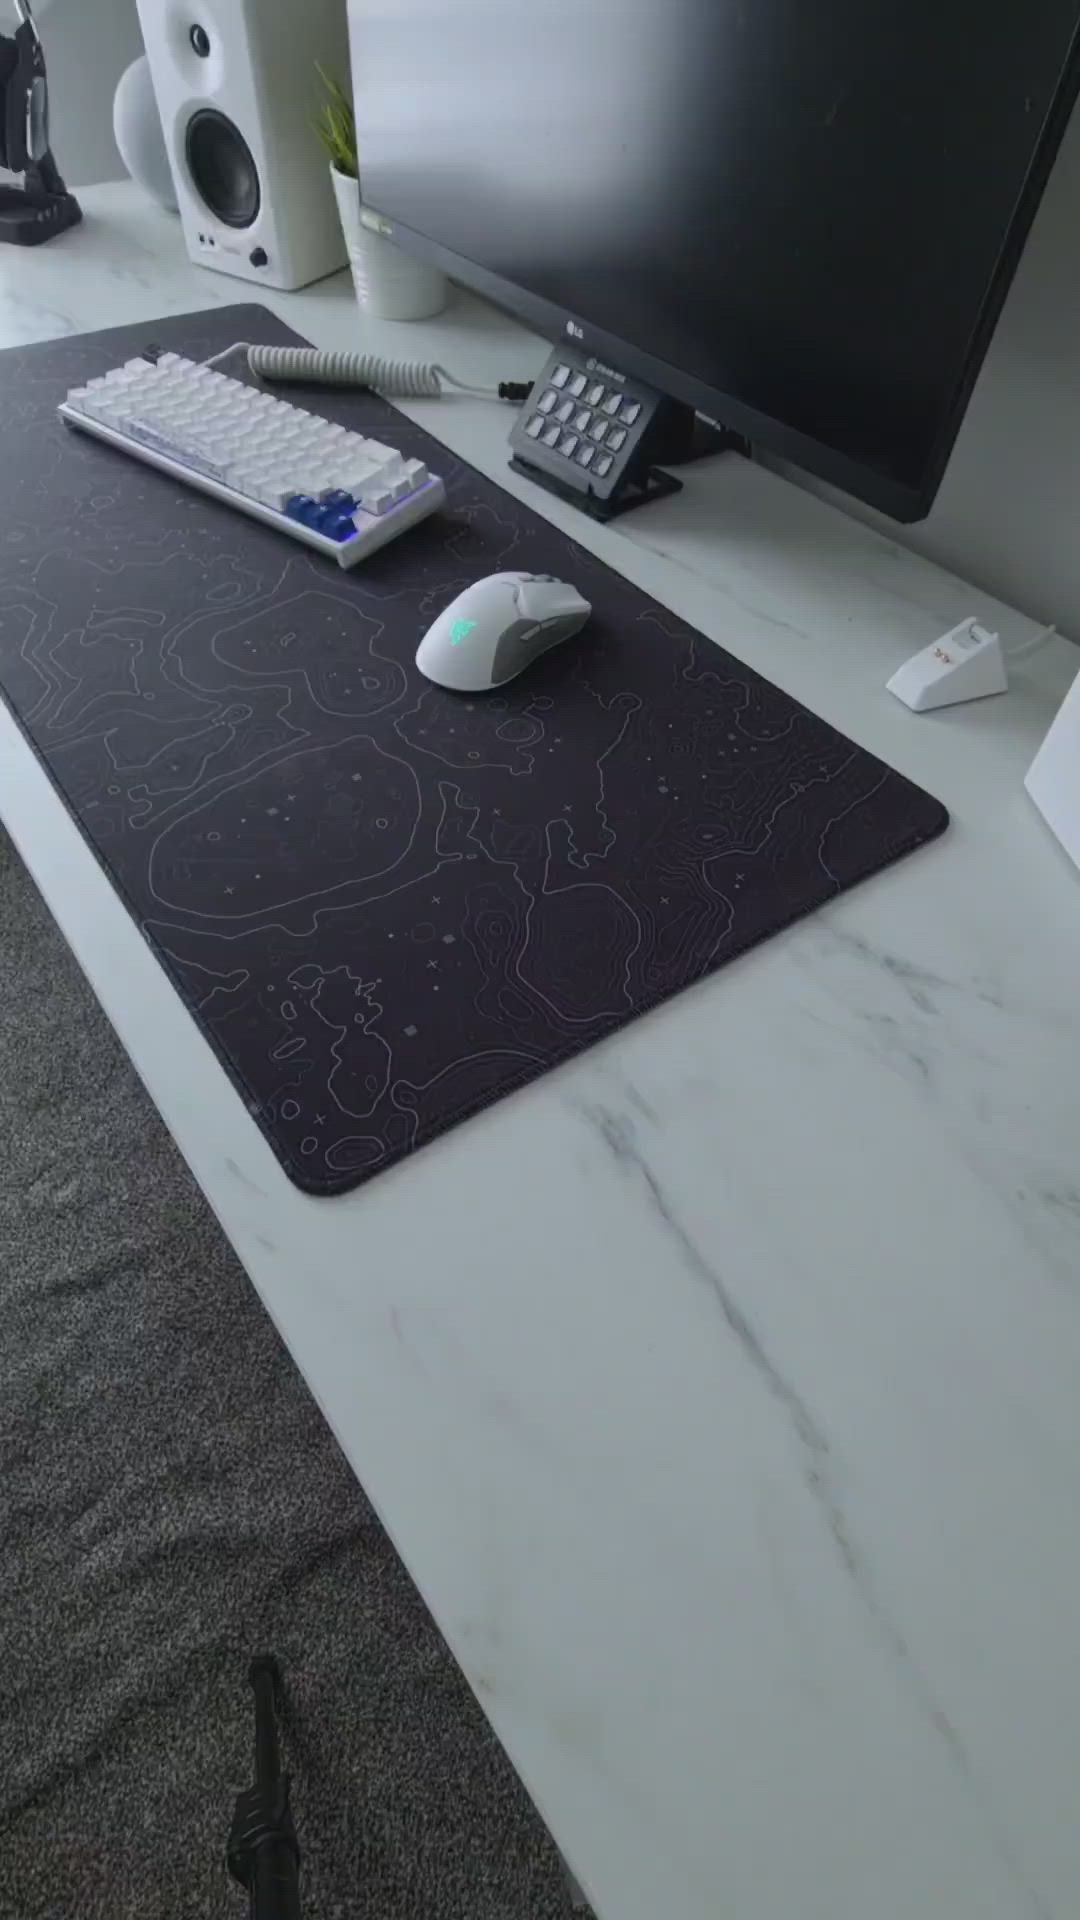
[406,379]
[1031,646]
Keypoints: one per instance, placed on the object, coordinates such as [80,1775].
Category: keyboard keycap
[563,413]
[372,490]
[536,426]
[568,444]
[630,411]
[604,464]
[547,400]
[613,403]
[595,393]
[615,438]
[551,436]
[357,478]
[581,419]
[577,385]
[599,427]
[560,376]
[586,454]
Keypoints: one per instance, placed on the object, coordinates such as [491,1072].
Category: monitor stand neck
[679,435]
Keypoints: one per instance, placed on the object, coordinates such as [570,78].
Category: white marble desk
[722,1390]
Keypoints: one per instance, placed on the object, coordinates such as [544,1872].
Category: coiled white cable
[405,379]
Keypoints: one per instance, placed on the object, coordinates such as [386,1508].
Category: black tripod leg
[263,1854]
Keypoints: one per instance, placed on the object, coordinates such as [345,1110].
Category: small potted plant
[390,284]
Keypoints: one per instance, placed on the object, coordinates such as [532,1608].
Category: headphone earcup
[9,60]
[26,105]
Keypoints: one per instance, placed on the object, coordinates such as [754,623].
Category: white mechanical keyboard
[338,492]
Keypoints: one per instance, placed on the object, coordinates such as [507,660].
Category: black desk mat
[386,905]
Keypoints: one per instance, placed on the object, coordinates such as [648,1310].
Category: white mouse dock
[497,628]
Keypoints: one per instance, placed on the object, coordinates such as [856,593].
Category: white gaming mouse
[497,628]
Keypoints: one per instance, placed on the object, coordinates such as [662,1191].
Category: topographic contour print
[387,905]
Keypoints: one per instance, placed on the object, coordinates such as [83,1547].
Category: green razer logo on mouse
[460,631]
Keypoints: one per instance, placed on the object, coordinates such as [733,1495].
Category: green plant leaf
[336,125]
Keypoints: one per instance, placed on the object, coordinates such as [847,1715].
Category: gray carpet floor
[171,1502]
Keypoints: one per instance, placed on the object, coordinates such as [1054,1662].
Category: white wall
[88,43]
[1008,513]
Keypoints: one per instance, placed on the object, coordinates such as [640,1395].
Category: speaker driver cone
[222,168]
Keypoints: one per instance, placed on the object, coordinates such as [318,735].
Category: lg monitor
[799,219]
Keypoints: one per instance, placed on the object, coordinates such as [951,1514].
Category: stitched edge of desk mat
[387,906]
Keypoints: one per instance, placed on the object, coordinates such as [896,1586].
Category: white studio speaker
[1053,778]
[239,94]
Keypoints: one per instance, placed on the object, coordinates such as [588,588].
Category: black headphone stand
[39,208]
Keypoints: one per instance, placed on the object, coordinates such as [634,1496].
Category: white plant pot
[390,284]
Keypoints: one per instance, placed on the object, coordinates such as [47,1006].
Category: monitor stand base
[676,437]
[635,492]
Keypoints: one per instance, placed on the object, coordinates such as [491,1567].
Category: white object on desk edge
[1053,778]
[967,663]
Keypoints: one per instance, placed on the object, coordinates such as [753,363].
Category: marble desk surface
[722,1390]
